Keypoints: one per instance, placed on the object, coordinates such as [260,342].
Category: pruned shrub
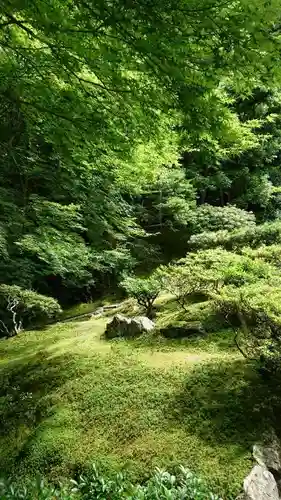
[197,273]
[270,254]
[256,309]
[253,236]
[21,308]
[208,270]
[210,218]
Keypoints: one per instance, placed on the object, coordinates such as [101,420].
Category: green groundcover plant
[94,485]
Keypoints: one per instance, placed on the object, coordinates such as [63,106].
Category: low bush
[197,273]
[270,254]
[21,308]
[210,218]
[257,309]
[208,270]
[253,236]
[95,486]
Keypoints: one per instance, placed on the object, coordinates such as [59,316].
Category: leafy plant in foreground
[95,486]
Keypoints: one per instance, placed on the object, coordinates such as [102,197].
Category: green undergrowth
[70,398]
[94,485]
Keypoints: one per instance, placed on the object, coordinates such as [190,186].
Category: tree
[94,101]
[24,308]
[144,290]
[255,308]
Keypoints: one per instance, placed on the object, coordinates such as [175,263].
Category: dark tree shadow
[26,394]
[228,403]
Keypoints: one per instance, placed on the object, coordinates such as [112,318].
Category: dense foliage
[244,288]
[117,120]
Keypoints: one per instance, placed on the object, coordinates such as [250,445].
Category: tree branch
[4,328]
[237,344]
[51,112]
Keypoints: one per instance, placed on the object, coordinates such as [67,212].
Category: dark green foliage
[94,101]
[24,308]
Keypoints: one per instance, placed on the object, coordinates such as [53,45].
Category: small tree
[144,290]
[201,272]
[16,323]
[21,308]
[256,307]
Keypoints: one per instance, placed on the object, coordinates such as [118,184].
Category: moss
[69,398]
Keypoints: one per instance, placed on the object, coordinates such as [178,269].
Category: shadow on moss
[225,403]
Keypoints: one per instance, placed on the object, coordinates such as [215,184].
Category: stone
[98,311]
[117,327]
[183,330]
[120,326]
[268,456]
[260,485]
[143,323]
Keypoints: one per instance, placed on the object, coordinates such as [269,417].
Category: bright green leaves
[64,254]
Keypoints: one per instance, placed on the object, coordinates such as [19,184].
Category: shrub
[189,276]
[22,308]
[271,254]
[267,234]
[37,490]
[144,290]
[208,270]
[210,218]
[257,307]
[95,486]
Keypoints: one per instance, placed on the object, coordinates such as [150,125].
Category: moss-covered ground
[70,398]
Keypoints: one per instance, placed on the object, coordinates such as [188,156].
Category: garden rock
[182,331]
[120,326]
[260,485]
[268,456]
[143,324]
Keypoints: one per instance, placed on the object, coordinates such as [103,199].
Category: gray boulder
[141,324]
[120,326]
[260,485]
[268,456]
